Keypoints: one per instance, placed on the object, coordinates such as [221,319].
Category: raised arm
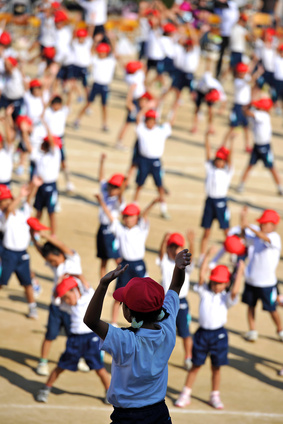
[104,207]
[182,260]
[237,283]
[146,211]
[10,133]
[204,266]
[207,147]
[163,245]
[93,313]
[58,243]
[101,167]
[191,242]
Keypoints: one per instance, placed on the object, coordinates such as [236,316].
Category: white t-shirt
[96,11]
[112,202]
[131,240]
[152,141]
[103,69]
[179,54]
[63,39]
[207,83]
[262,127]
[267,57]
[47,32]
[278,68]
[48,165]
[191,60]
[154,45]
[36,138]
[16,230]
[6,162]
[14,85]
[137,79]
[33,107]
[56,120]
[263,261]
[213,307]
[238,39]
[77,313]
[167,268]
[168,46]
[242,91]
[82,52]
[144,29]
[229,16]
[217,180]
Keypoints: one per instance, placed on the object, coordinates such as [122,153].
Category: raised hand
[183,259]
[112,275]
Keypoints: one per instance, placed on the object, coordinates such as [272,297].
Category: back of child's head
[49,248]
[56,100]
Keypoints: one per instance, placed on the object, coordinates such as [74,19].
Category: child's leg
[188,346]
[104,377]
[115,311]
[103,267]
[277,321]
[246,139]
[204,240]
[53,376]
[42,395]
[38,215]
[52,220]
[136,196]
[104,117]
[195,120]
[192,375]
[228,135]
[210,119]
[215,400]
[81,113]
[215,383]
[276,178]
[29,294]
[122,133]
[251,317]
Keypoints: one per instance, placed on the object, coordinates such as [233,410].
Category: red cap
[103,48]
[60,16]
[222,153]
[169,28]
[35,83]
[81,32]
[220,274]
[131,209]
[133,67]
[233,244]
[241,67]
[36,225]
[57,140]
[151,113]
[12,60]
[152,12]
[141,295]
[269,215]
[5,38]
[264,103]
[244,17]
[280,48]
[188,42]
[147,96]
[56,5]
[49,52]
[212,96]
[116,180]
[65,285]
[23,118]
[5,192]
[176,238]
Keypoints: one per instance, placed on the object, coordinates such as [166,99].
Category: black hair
[147,317]
[48,248]
[56,99]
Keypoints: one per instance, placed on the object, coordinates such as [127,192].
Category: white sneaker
[42,368]
[280,335]
[42,395]
[32,312]
[70,186]
[188,364]
[20,170]
[184,398]
[82,365]
[251,336]
[240,188]
[215,400]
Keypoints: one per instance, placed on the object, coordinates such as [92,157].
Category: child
[143,350]
[261,278]
[171,245]
[211,336]
[81,48]
[219,173]
[155,51]
[6,151]
[103,68]
[131,236]
[62,260]
[238,38]
[111,191]
[16,238]
[81,342]
[151,143]
[262,136]
[13,88]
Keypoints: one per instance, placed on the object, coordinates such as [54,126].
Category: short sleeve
[166,127]
[116,227]
[120,344]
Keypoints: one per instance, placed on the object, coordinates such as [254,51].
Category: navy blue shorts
[149,167]
[263,153]
[156,64]
[278,85]
[32,167]
[80,73]
[66,73]
[46,197]
[200,97]
[132,114]
[81,346]
[182,79]
[142,49]
[215,209]
[17,103]
[183,319]
[151,414]
[266,294]
[135,269]
[166,65]
[102,90]
[213,343]
[136,154]
[106,244]
[17,262]
[57,319]
[266,78]
[235,58]
[237,117]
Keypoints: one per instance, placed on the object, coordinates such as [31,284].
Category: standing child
[81,48]
[262,136]
[82,342]
[171,245]
[111,192]
[211,336]
[131,236]
[143,349]
[261,278]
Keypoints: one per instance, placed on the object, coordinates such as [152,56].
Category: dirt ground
[250,388]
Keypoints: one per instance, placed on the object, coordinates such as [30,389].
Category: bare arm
[204,266]
[104,207]
[163,246]
[93,313]
[207,147]
[58,243]
[237,283]
[9,125]
[101,167]
[182,260]
[259,234]
[34,185]
[191,242]
[146,211]
[24,192]
[35,243]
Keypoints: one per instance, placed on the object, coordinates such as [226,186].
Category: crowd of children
[35,114]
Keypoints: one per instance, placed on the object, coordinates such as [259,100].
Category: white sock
[186,390]
[32,305]
[163,207]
